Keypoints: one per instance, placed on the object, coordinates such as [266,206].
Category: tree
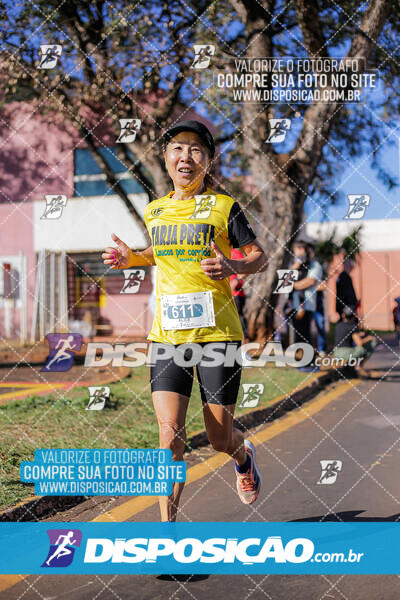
[349,246]
[118,60]
[285,180]
[136,61]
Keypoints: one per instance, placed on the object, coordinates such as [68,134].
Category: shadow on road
[381,375]
[183,578]
[348,515]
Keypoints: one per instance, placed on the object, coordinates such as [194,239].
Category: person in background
[350,341]
[345,293]
[396,319]
[239,295]
[319,314]
[307,286]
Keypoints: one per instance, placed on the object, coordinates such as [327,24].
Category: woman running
[193,229]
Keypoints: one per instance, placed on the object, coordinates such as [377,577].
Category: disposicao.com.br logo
[192,550]
[201,548]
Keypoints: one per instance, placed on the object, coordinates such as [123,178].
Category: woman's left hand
[219,267]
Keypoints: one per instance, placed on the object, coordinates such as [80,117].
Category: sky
[360,178]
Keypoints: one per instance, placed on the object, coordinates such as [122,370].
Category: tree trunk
[280,213]
[162,181]
[283,180]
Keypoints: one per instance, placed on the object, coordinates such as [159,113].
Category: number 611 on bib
[187,311]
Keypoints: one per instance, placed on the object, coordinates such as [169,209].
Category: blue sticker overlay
[62,547]
[103,472]
[226,548]
[62,351]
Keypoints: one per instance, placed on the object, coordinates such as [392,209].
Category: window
[89,180]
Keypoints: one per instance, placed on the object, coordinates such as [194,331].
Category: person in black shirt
[345,294]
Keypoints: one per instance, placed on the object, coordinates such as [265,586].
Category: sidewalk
[385,361]
[13,353]
[21,375]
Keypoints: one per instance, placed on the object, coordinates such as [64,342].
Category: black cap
[195,126]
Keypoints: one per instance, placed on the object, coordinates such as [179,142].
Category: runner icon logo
[329,471]
[278,130]
[62,349]
[286,279]
[203,54]
[63,543]
[129,129]
[203,206]
[49,55]
[55,204]
[133,279]
[251,394]
[357,206]
[98,397]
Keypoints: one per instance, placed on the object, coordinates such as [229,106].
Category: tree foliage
[134,60]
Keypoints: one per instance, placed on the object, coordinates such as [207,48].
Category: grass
[128,421]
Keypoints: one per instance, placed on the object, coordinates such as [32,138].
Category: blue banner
[102,472]
[195,548]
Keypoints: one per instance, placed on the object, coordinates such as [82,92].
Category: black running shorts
[219,384]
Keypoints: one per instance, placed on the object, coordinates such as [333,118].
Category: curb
[44,506]
[39,507]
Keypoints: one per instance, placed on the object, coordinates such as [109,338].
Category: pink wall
[376,279]
[129,314]
[35,159]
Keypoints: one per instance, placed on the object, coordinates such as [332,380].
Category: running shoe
[249,483]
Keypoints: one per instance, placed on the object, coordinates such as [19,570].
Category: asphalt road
[360,427]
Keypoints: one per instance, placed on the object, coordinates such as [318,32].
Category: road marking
[28,389]
[7,384]
[136,505]
[7,581]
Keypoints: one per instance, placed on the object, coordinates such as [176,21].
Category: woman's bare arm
[221,266]
[122,257]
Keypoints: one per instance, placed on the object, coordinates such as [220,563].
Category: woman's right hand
[118,257]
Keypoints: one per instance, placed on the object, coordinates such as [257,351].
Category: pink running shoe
[249,483]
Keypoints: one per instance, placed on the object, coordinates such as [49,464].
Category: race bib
[187,311]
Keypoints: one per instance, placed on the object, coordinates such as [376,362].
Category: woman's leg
[223,437]
[226,438]
[219,388]
[171,409]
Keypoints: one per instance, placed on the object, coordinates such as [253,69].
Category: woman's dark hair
[209,181]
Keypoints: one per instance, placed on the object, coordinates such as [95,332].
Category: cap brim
[173,131]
